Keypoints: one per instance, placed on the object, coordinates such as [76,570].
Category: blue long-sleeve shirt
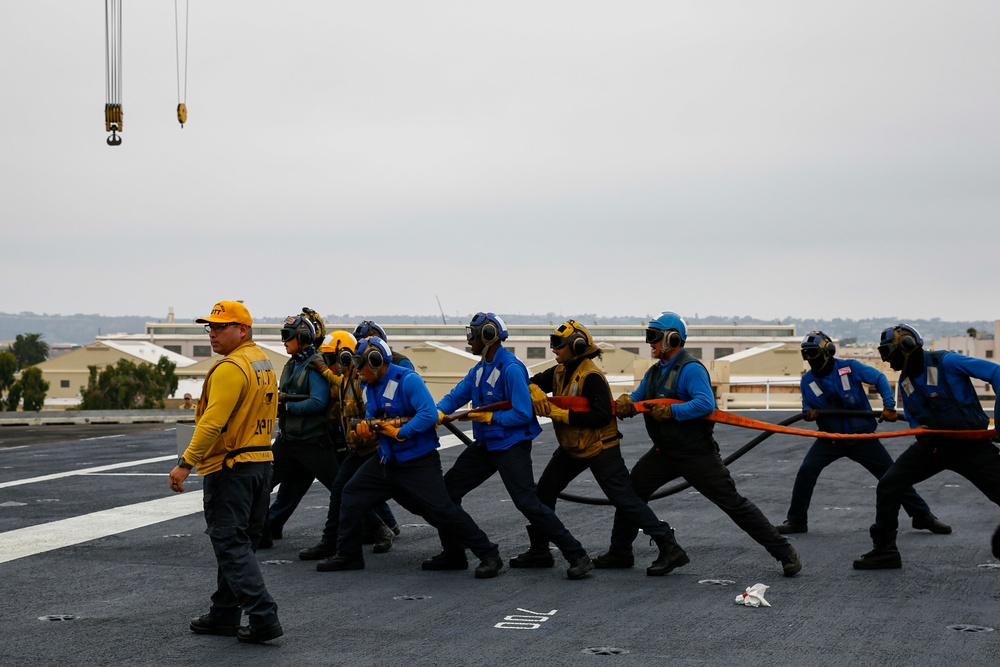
[843,389]
[694,387]
[504,378]
[319,392]
[957,370]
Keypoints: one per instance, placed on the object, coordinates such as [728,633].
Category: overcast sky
[771,159]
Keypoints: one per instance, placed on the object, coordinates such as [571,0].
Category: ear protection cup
[578,344]
[908,343]
[489,333]
[672,340]
[374,358]
[375,352]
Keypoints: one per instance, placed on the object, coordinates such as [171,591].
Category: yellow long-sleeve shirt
[237,410]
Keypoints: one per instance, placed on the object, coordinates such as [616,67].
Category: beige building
[68,373]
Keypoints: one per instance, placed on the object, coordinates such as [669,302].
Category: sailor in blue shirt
[502,444]
[937,393]
[683,446]
[839,384]
[407,465]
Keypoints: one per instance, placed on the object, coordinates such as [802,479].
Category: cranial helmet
[300,328]
[817,344]
[486,326]
[670,327]
[339,340]
[901,337]
[372,352]
[573,334]
[367,329]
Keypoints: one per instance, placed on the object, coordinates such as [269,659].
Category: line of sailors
[355,415]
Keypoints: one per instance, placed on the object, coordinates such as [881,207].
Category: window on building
[989,354]
[536,353]
[173,348]
[694,352]
[202,351]
[64,384]
[722,352]
[633,350]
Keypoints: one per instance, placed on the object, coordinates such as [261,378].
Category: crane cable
[181,89]
[113,115]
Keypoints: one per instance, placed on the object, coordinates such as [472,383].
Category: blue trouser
[296,465]
[611,474]
[477,464]
[348,467]
[869,453]
[418,485]
[702,467]
[976,460]
[235,506]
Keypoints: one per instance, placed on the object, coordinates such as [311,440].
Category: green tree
[29,349]
[32,387]
[127,386]
[8,367]
[13,397]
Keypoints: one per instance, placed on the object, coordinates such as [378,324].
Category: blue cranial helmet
[817,344]
[487,326]
[368,329]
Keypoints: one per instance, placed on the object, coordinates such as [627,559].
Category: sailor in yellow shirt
[231,447]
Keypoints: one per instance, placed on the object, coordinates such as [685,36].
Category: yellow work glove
[441,417]
[539,401]
[661,413]
[811,415]
[557,414]
[624,407]
[391,431]
[364,433]
[481,417]
[888,415]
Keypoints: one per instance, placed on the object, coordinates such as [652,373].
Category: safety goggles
[810,353]
[287,334]
[359,361]
[655,335]
[557,342]
[886,350]
[473,333]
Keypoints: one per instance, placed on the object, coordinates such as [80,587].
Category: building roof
[147,351]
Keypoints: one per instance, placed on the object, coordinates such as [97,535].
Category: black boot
[489,567]
[538,554]
[671,556]
[932,523]
[579,567]
[885,555]
[446,560]
[341,562]
[319,552]
[617,556]
[383,539]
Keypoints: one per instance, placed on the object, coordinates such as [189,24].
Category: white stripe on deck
[87,471]
[33,540]
[44,537]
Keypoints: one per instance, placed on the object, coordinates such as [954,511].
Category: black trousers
[976,460]
[609,470]
[235,506]
[296,465]
[703,468]
[418,486]
[477,464]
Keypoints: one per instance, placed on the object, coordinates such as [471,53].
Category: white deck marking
[33,540]
[87,471]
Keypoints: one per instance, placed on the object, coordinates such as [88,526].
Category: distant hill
[81,329]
